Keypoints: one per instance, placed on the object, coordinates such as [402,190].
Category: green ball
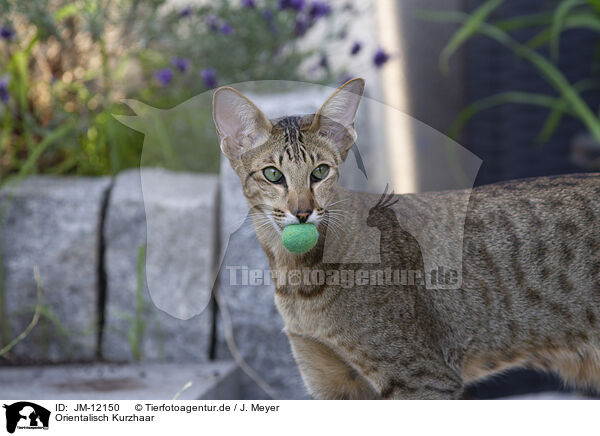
[299,238]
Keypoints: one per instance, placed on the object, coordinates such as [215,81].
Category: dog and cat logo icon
[26,415]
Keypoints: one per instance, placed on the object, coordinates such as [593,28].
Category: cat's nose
[303,215]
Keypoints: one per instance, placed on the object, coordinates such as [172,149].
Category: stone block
[169,317]
[52,223]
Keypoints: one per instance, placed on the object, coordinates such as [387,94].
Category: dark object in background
[515,382]
[585,152]
[505,136]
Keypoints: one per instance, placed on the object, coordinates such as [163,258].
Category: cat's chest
[314,317]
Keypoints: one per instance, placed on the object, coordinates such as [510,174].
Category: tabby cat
[530,279]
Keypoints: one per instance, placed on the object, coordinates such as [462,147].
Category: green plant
[135,334]
[34,319]
[568,100]
[67,64]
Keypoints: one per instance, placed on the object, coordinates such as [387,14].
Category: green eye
[319,173]
[273,175]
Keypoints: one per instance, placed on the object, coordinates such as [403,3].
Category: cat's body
[530,296]
[530,292]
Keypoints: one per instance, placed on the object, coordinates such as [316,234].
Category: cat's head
[288,167]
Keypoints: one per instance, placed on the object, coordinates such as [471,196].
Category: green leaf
[558,21]
[499,99]
[29,165]
[34,319]
[137,328]
[66,11]
[20,75]
[548,71]
[595,4]
[524,21]
[583,20]
[551,123]
[468,29]
[573,21]
[556,115]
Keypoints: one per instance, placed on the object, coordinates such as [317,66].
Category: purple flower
[181,64]
[163,76]
[249,3]
[301,25]
[318,9]
[297,5]
[226,28]
[212,22]
[324,62]
[209,75]
[185,12]
[267,14]
[380,58]
[4,94]
[355,48]
[7,32]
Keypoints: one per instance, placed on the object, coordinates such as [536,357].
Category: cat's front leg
[325,374]
[435,382]
[427,393]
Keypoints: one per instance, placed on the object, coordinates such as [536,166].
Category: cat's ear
[241,126]
[335,119]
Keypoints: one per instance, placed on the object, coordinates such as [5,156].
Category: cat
[529,293]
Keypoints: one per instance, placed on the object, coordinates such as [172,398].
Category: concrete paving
[213,380]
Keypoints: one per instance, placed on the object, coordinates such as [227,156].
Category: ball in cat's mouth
[299,238]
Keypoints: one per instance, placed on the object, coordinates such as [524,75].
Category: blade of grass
[136,330]
[560,14]
[573,21]
[182,390]
[524,21]
[29,166]
[66,11]
[556,115]
[468,29]
[553,75]
[595,4]
[4,323]
[550,72]
[498,99]
[34,319]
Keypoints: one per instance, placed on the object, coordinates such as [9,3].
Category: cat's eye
[273,175]
[319,173]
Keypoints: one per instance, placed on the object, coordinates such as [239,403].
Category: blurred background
[515,83]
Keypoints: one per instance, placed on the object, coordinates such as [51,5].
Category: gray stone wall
[174,219]
[84,235]
[52,223]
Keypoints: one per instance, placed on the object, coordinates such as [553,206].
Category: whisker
[337,213]
[335,232]
[339,201]
[335,227]
[340,218]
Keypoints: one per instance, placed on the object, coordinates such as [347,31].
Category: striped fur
[530,294]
